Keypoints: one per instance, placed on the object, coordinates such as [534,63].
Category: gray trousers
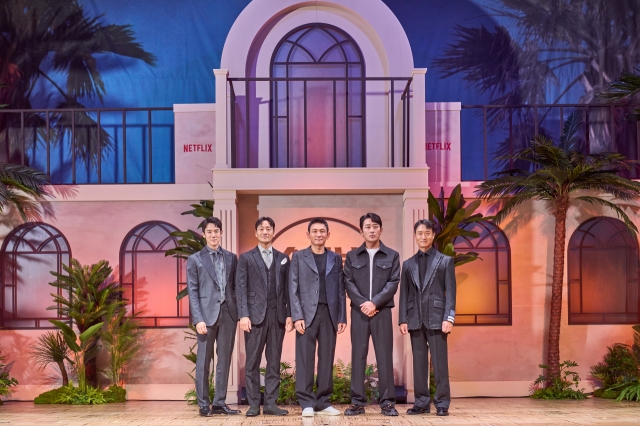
[222,334]
[269,333]
[322,333]
[434,341]
[380,329]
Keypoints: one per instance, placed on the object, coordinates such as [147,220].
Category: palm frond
[631,227]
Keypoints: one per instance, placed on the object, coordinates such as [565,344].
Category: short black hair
[374,218]
[425,222]
[268,219]
[317,220]
[211,220]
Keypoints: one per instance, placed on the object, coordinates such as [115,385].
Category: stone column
[443,143]
[415,207]
[225,208]
[417,115]
[222,158]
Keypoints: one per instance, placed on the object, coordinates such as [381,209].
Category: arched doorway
[318,107]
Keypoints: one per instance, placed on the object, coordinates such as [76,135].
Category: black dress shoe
[223,410]
[354,410]
[205,412]
[389,410]
[442,411]
[253,411]
[419,410]
[274,410]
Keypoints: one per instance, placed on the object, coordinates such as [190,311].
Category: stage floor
[464,411]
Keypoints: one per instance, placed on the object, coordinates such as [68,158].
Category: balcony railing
[319,121]
[91,146]
[492,131]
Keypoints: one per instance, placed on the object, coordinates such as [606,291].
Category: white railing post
[417,126]
[222,157]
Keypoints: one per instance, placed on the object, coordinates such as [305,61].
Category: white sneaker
[329,411]
[307,412]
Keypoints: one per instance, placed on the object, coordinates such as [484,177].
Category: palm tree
[561,176]
[19,183]
[41,40]
[626,87]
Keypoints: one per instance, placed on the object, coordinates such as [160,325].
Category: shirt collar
[217,251]
[429,252]
[261,249]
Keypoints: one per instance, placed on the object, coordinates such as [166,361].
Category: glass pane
[477,287]
[334,55]
[33,296]
[355,142]
[317,41]
[352,54]
[604,280]
[300,55]
[281,56]
[155,287]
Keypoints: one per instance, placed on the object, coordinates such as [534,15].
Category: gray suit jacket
[251,285]
[436,296]
[204,292]
[304,285]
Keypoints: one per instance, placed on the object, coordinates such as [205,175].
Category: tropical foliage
[83,348]
[123,339]
[626,87]
[617,376]
[73,396]
[54,46]
[452,220]
[190,242]
[50,348]
[6,381]
[22,187]
[563,385]
[561,176]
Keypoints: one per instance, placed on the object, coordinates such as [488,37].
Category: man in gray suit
[318,309]
[263,305]
[372,274]
[212,303]
[427,312]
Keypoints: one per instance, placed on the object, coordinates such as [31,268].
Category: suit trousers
[322,333]
[222,335]
[269,333]
[380,328]
[434,341]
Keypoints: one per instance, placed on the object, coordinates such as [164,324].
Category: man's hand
[245,324]
[368,308]
[341,327]
[288,325]
[299,326]
[446,327]
[404,329]
[201,327]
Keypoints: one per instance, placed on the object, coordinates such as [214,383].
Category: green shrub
[6,381]
[287,394]
[619,365]
[115,393]
[560,386]
[73,396]
[630,392]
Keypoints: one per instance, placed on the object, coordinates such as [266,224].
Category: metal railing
[491,131]
[243,145]
[92,145]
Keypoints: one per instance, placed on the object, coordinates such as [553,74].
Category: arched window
[150,280]
[483,294]
[603,273]
[320,121]
[29,254]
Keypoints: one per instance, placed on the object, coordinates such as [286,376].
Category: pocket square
[283,261]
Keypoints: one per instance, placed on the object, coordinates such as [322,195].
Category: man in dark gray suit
[427,312]
[263,305]
[318,309]
[372,274]
[212,303]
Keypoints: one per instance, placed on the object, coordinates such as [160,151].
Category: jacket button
[316,291]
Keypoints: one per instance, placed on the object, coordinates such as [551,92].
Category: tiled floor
[476,411]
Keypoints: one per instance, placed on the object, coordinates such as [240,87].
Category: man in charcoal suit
[263,305]
[372,274]
[212,303]
[318,309]
[427,312]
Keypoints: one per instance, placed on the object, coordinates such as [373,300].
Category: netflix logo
[198,148]
[437,146]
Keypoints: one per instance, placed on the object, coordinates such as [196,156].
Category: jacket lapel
[205,258]
[257,257]
[228,262]
[431,272]
[415,273]
[331,260]
[308,257]
[277,258]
